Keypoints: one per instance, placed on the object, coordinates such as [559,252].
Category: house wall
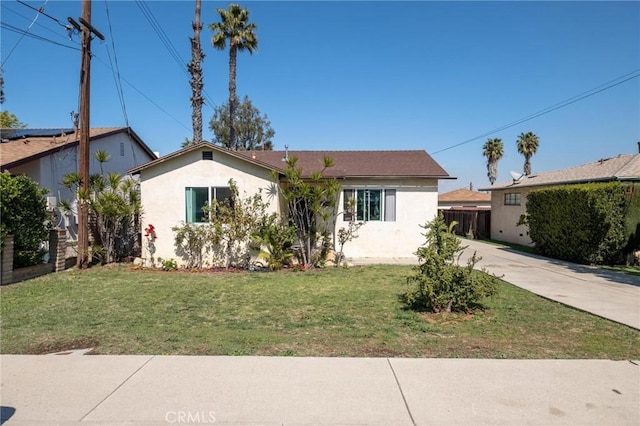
[49,171]
[505,217]
[163,192]
[416,204]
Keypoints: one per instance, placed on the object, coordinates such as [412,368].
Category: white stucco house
[396,191]
[509,199]
[47,155]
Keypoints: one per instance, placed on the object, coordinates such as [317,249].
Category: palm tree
[493,149]
[235,27]
[527,146]
[195,69]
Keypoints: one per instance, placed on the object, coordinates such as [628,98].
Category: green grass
[337,312]
[631,270]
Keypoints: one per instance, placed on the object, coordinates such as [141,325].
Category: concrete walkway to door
[609,294]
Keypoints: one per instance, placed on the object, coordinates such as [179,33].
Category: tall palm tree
[195,69]
[527,146]
[235,27]
[493,149]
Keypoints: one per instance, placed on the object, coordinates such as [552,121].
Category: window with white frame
[197,198]
[368,205]
[512,199]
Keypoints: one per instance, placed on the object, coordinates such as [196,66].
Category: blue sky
[354,75]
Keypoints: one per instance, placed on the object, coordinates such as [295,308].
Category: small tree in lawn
[312,208]
[438,283]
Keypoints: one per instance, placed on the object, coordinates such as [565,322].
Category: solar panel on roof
[26,133]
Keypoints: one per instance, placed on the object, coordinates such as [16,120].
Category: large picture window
[512,199]
[197,198]
[369,205]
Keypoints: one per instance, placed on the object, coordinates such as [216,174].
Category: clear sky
[353,75]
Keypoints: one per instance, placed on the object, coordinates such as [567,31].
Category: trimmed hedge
[584,223]
[632,218]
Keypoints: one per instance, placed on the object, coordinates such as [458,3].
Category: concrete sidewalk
[150,390]
[609,294]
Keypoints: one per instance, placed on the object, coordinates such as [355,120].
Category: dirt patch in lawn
[446,318]
[50,344]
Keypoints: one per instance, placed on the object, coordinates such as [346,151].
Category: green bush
[169,265]
[632,217]
[438,283]
[579,223]
[25,216]
[274,237]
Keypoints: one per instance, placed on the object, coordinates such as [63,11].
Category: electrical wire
[116,78]
[24,33]
[166,41]
[115,68]
[145,96]
[601,88]
[4,6]
[41,11]
[11,28]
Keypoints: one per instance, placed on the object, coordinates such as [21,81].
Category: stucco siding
[416,204]
[163,191]
[505,217]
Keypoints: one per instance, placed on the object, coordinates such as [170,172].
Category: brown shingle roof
[18,151]
[353,164]
[621,167]
[464,196]
[381,164]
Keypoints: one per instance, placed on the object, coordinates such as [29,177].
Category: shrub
[192,242]
[438,283]
[169,265]
[24,215]
[274,238]
[579,223]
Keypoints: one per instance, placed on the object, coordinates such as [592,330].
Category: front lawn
[332,312]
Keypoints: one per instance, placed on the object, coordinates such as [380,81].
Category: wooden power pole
[83,153]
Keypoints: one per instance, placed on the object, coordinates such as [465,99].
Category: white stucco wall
[416,204]
[504,218]
[163,191]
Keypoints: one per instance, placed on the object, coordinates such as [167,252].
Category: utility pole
[83,152]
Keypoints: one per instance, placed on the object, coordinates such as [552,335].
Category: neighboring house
[396,191]
[464,199]
[46,155]
[509,199]
[471,210]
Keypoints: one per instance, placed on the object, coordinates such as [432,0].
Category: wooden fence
[472,222]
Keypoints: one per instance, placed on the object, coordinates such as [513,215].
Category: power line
[37,24]
[34,36]
[20,31]
[116,69]
[24,33]
[145,96]
[166,41]
[606,86]
[41,11]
